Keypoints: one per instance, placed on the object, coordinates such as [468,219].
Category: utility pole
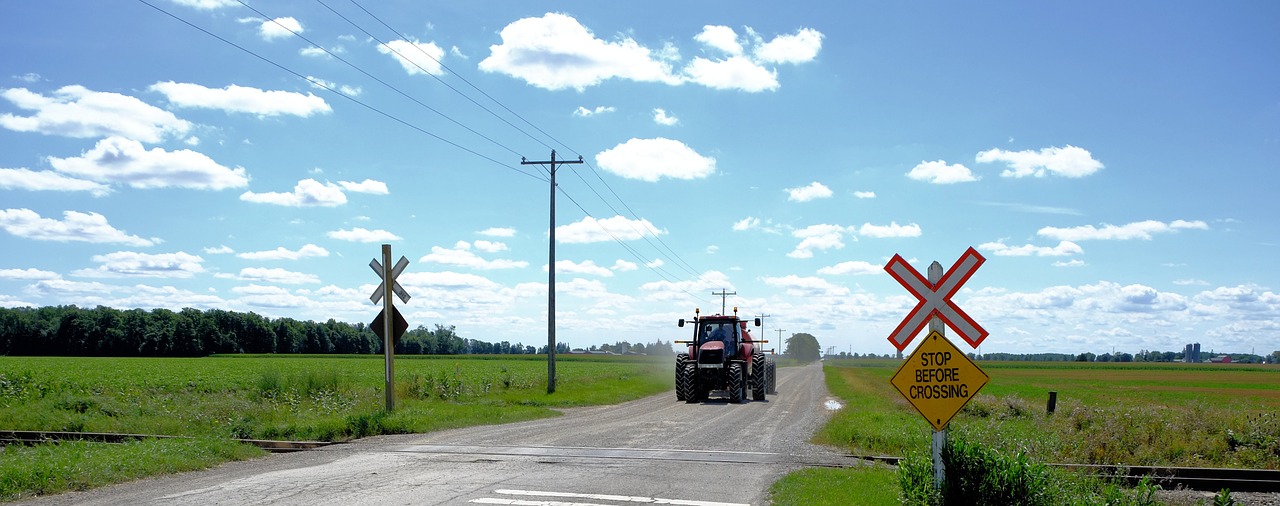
[551,272]
[780,331]
[762,316]
[723,295]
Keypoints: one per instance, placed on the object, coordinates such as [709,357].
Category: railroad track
[25,437]
[1208,479]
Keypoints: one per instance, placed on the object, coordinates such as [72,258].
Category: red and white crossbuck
[935,300]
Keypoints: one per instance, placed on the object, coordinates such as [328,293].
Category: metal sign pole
[388,341]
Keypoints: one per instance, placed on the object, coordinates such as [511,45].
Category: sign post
[937,379]
[389,324]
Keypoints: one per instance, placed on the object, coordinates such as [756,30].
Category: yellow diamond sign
[938,380]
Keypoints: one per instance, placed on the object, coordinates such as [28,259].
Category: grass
[1135,414]
[871,485]
[325,398]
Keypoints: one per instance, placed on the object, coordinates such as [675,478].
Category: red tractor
[723,356]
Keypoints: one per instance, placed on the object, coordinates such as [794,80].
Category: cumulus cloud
[856,267]
[307,193]
[653,159]
[26,179]
[587,267]
[733,73]
[281,253]
[490,246]
[206,5]
[938,172]
[621,265]
[1069,161]
[747,223]
[316,82]
[584,112]
[814,190]
[893,229]
[865,195]
[220,250]
[1064,248]
[415,57]
[243,99]
[556,52]
[807,286]
[134,264]
[74,227]
[1137,230]
[1075,262]
[589,230]
[76,111]
[367,186]
[28,274]
[461,255]
[498,232]
[803,46]
[720,37]
[818,237]
[661,117]
[363,235]
[279,28]
[276,275]
[125,161]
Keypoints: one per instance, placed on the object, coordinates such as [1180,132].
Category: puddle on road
[833,405]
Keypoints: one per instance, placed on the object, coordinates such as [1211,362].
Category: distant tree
[1085,357]
[803,347]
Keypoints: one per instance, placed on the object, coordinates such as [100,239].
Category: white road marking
[597,497]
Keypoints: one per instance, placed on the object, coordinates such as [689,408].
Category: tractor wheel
[680,374]
[772,375]
[737,391]
[759,378]
[687,387]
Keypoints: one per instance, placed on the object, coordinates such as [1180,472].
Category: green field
[326,398]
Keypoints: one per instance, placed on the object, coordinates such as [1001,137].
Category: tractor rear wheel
[687,388]
[759,379]
[772,375]
[735,386]
[680,375]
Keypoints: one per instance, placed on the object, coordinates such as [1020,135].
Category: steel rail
[28,437]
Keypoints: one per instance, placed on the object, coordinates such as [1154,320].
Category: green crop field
[290,397]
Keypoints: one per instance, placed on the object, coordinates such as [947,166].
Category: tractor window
[718,331]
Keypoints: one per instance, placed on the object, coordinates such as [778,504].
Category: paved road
[653,450]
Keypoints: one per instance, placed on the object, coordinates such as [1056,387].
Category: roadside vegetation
[1135,414]
[322,398]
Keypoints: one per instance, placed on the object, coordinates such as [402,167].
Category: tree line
[110,332]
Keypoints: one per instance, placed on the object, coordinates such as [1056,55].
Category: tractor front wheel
[687,388]
[735,384]
[680,375]
[759,377]
[772,374]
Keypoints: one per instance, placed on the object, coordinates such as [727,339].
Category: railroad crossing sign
[938,380]
[398,324]
[935,300]
[395,285]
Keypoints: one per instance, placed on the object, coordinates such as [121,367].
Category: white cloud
[652,159]
[584,112]
[29,77]
[589,229]
[820,237]
[233,98]
[586,267]
[1136,230]
[660,117]
[556,52]
[656,263]
[133,264]
[322,84]
[367,186]
[276,275]
[815,190]
[1064,248]
[280,253]
[76,111]
[415,57]
[893,229]
[28,274]
[865,195]
[1190,282]
[733,73]
[621,265]
[720,37]
[460,256]
[75,226]
[1075,262]
[125,161]
[279,28]
[308,192]
[220,250]
[26,179]
[498,232]
[747,223]
[363,235]
[938,172]
[801,47]
[856,267]
[490,246]
[1070,161]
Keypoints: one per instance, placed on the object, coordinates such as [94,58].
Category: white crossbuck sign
[936,300]
[395,285]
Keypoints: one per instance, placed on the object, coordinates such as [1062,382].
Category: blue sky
[1116,164]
